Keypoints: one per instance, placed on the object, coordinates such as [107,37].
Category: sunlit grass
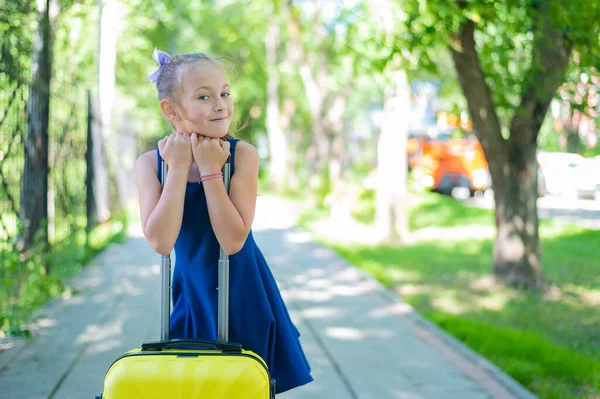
[546,340]
[549,370]
[441,211]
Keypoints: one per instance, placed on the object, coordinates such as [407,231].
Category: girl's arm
[231,216]
[161,214]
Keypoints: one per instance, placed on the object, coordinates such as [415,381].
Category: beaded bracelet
[210,176]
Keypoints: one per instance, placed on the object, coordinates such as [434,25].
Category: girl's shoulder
[245,151]
[147,161]
[243,145]
[149,157]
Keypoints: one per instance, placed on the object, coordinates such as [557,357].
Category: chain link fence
[30,273]
[67,145]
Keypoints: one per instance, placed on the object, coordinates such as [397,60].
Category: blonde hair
[168,82]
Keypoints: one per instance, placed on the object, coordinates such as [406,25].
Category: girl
[195,215]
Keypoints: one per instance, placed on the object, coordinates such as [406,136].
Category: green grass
[434,210]
[364,209]
[547,369]
[430,210]
[548,341]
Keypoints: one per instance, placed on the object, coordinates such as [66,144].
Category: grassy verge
[548,341]
[25,285]
[430,209]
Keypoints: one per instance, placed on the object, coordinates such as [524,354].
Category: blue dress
[258,319]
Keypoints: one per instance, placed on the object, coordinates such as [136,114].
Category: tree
[312,67]
[577,112]
[318,47]
[277,139]
[109,26]
[510,57]
[391,72]
[16,44]
[391,211]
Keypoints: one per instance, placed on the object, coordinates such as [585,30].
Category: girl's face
[205,100]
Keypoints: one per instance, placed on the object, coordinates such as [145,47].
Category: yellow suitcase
[190,369]
[164,370]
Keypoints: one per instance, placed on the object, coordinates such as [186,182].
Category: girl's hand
[209,153]
[176,150]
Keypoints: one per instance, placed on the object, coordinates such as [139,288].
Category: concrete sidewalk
[362,342]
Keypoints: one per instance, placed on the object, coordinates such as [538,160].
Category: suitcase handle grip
[192,344]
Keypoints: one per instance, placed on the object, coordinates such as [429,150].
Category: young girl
[195,215]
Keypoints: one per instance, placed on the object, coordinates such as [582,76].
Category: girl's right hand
[176,150]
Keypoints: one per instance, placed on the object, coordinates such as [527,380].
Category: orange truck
[441,162]
[444,163]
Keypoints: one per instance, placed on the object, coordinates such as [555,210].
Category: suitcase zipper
[189,354]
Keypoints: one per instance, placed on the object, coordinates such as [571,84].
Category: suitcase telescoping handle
[165,273]
[191,344]
[165,276]
[223,306]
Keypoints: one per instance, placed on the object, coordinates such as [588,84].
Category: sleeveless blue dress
[258,319]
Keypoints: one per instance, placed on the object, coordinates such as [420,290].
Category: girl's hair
[168,76]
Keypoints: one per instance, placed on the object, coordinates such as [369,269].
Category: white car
[587,178]
[570,175]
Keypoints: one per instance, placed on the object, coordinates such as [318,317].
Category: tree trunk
[334,126]
[276,136]
[90,179]
[336,158]
[126,156]
[34,183]
[97,161]
[391,201]
[285,119]
[517,252]
[573,140]
[318,151]
[110,26]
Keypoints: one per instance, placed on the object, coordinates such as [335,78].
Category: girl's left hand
[209,153]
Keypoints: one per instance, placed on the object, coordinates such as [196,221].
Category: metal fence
[68,131]
[80,191]
[13,119]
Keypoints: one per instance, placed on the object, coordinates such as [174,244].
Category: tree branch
[550,55]
[478,94]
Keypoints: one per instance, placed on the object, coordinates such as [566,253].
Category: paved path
[362,342]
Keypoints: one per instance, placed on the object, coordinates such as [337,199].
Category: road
[563,209]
